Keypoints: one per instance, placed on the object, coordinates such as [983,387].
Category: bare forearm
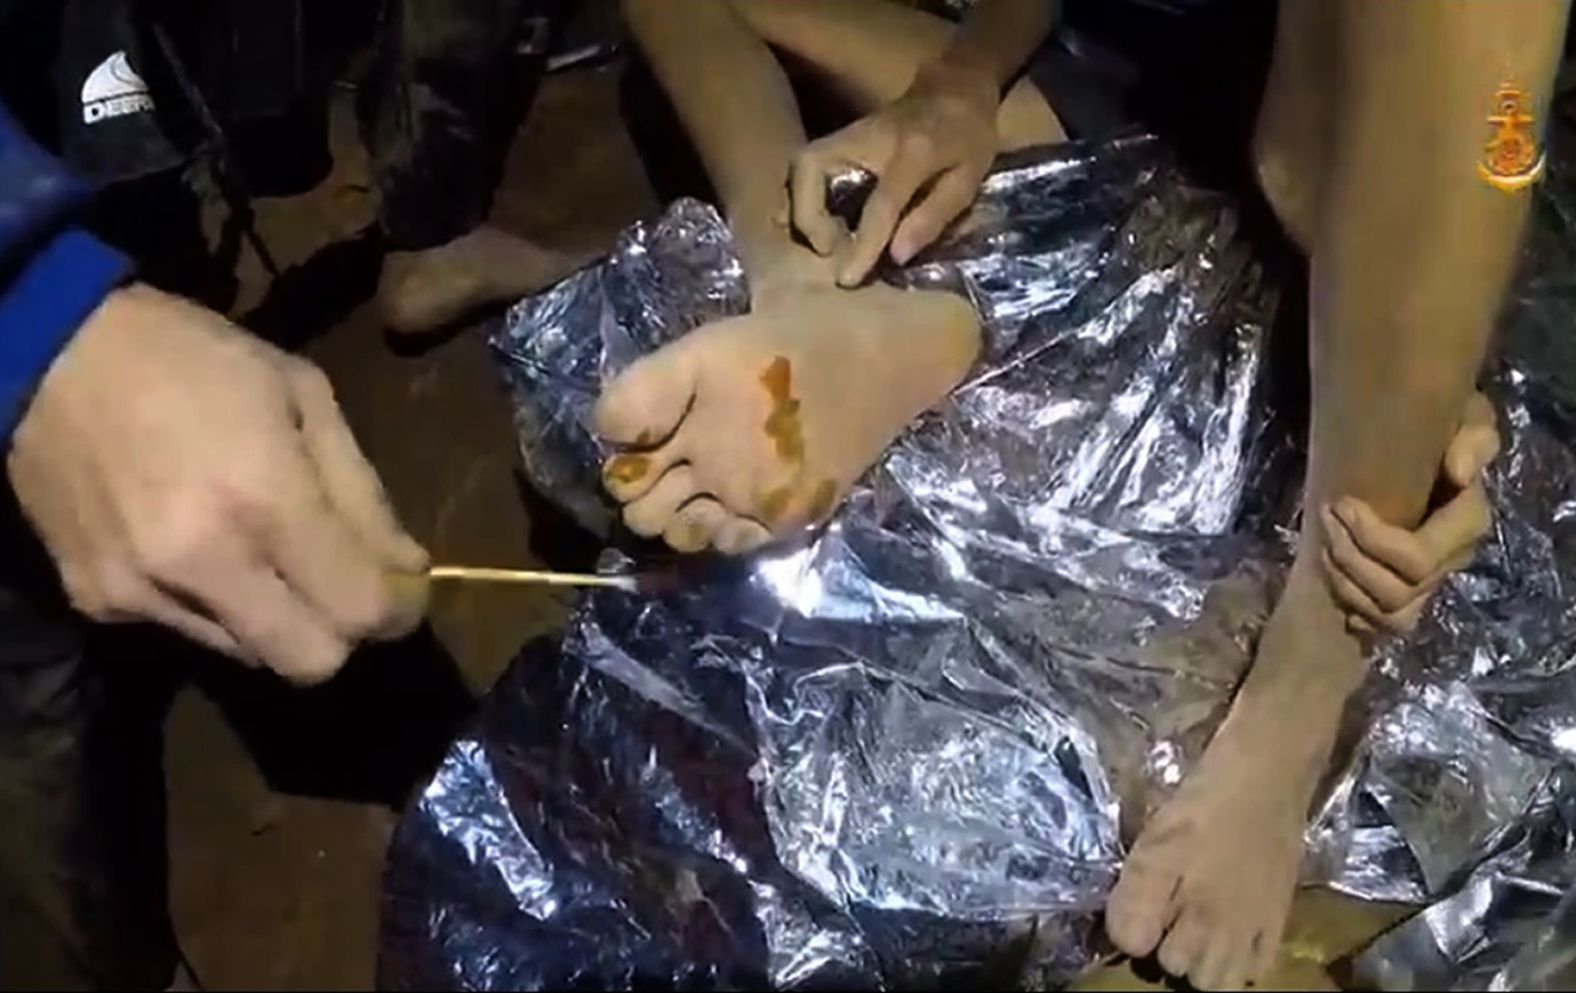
[997,38]
[1415,247]
[734,100]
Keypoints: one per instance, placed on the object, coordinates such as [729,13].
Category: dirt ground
[275,889]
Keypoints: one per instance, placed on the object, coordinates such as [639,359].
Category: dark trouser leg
[454,80]
[83,893]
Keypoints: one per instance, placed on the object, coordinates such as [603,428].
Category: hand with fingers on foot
[1385,576]
[751,428]
[181,472]
[934,144]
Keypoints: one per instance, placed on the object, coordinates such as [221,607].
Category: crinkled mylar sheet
[904,752]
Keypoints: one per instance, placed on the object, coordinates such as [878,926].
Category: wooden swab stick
[531,577]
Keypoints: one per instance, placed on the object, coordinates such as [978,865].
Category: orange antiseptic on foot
[1511,159]
[821,501]
[626,468]
[782,424]
[778,380]
[774,504]
[782,427]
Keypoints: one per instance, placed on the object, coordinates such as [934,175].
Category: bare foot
[426,290]
[1210,880]
[752,427]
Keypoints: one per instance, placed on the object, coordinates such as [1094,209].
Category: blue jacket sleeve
[52,275]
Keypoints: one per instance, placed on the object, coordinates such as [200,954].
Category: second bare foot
[1210,880]
[426,290]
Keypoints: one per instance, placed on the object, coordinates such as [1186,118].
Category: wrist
[43,307]
[964,73]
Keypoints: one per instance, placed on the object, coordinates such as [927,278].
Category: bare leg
[1296,131]
[1411,251]
[870,49]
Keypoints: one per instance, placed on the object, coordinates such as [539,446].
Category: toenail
[790,445]
[627,468]
[787,434]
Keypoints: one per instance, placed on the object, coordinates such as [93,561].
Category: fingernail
[901,253]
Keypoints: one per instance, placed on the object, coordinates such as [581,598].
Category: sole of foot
[753,428]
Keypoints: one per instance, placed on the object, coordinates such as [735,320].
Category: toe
[740,536]
[1180,952]
[1262,952]
[1221,965]
[644,404]
[695,525]
[631,476]
[651,514]
[1236,975]
[1139,909]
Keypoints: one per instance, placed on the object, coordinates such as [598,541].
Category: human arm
[177,470]
[52,274]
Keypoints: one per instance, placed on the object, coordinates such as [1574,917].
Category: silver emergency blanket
[906,751]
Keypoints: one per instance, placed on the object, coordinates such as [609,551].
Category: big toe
[643,405]
[1139,909]
[631,476]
